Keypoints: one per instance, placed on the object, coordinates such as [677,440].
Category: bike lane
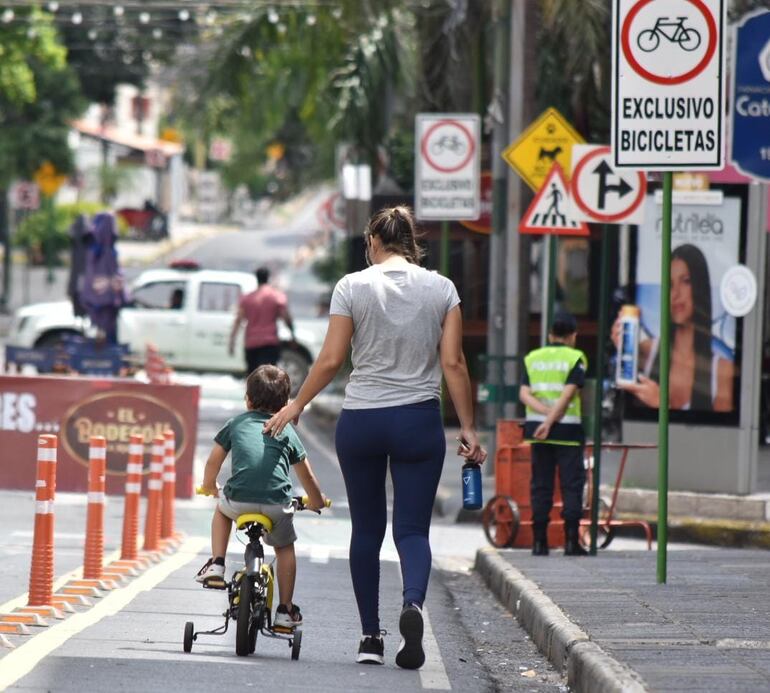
[132,639]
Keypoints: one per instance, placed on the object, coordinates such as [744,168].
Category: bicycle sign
[447,166]
[668,84]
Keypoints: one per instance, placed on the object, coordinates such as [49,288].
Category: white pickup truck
[193,336]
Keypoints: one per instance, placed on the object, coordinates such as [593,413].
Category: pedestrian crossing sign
[549,211]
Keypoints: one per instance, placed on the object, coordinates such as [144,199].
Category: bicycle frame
[679,27]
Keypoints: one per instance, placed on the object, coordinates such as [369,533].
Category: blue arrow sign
[751,96]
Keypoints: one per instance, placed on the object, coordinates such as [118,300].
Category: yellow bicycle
[250,592]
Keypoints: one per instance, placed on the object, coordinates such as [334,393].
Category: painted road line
[23,659]
[433,674]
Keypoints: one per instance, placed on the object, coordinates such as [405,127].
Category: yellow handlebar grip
[199,490]
[327,501]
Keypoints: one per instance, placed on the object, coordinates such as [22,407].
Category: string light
[8,16]
[92,34]
[118,10]
[311,20]
[272,16]
[157,33]
[144,17]
[53,6]
[184,15]
[77,18]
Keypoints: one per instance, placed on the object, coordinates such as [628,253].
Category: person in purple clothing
[405,328]
[103,292]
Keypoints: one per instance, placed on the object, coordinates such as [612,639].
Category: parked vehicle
[186,313]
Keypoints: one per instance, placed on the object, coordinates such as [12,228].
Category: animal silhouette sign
[547,141]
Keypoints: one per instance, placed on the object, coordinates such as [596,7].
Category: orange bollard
[169,486]
[94,550]
[41,572]
[154,491]
[128,550]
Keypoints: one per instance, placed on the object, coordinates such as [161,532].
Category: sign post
[668,105]
[604,195]
[547,141]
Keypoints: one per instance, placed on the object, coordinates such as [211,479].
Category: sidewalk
[607,624]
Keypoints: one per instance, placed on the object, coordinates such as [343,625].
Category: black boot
[572,545]
[540,543]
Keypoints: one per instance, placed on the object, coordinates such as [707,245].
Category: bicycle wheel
[189,631]
[296,644]
[243,623]
[689,39]
[500,518]
[648,40]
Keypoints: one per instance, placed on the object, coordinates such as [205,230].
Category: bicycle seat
[255,518]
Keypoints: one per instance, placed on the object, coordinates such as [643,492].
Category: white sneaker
[211,574]
[287,619]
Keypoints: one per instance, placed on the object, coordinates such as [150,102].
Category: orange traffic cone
[129,556]
[169,488]
[154,491]
[42,569]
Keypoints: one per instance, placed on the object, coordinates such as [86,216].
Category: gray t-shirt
[398,315]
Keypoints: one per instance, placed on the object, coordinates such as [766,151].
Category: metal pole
[49,239]
[665,357]
[601,340]
[545,285]
[553,253]
[498,269]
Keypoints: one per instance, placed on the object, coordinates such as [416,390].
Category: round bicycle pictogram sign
[448,146]
[669,43]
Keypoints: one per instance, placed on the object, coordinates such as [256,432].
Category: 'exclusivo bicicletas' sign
[668,84]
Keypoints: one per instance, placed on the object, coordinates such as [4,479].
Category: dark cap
[563,325]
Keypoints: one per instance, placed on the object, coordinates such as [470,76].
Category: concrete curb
[589,669]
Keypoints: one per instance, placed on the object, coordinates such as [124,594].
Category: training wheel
[189,630]
[296,644]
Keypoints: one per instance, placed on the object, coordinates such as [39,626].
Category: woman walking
[405,328]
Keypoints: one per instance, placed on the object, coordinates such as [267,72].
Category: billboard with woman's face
[704,366]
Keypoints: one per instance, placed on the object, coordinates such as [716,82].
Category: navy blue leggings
[412,436]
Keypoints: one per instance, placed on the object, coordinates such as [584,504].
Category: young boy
[260,483]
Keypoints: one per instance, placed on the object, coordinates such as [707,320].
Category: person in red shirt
[260,310]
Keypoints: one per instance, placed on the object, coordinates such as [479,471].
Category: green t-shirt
[260,462]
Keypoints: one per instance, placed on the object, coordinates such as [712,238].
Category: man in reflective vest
[550,390]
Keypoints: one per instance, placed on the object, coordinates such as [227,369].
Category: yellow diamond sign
[48,179]
[546,141]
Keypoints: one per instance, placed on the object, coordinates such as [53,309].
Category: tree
[39,95]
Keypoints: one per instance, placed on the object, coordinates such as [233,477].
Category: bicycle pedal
[283,629]
[215,583]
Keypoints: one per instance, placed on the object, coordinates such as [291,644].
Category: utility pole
[521,102]
[498,114]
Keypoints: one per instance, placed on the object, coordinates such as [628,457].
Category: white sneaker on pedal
[211,574]
[285,618]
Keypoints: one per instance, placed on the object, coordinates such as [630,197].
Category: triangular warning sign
[549,211]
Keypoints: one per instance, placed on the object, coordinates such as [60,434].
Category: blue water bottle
[471,486]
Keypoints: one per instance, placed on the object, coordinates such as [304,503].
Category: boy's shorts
[283,533]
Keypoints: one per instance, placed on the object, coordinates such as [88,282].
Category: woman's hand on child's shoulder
[277,422]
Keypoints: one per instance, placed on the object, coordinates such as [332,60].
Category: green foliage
[574,64]
[33,232]
[39,94]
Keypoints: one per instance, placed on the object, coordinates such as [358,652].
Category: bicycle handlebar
[300,501]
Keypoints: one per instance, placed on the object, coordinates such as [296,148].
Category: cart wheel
[189,630]
[604,534]
[244,620]
[501,521]
[296,644]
